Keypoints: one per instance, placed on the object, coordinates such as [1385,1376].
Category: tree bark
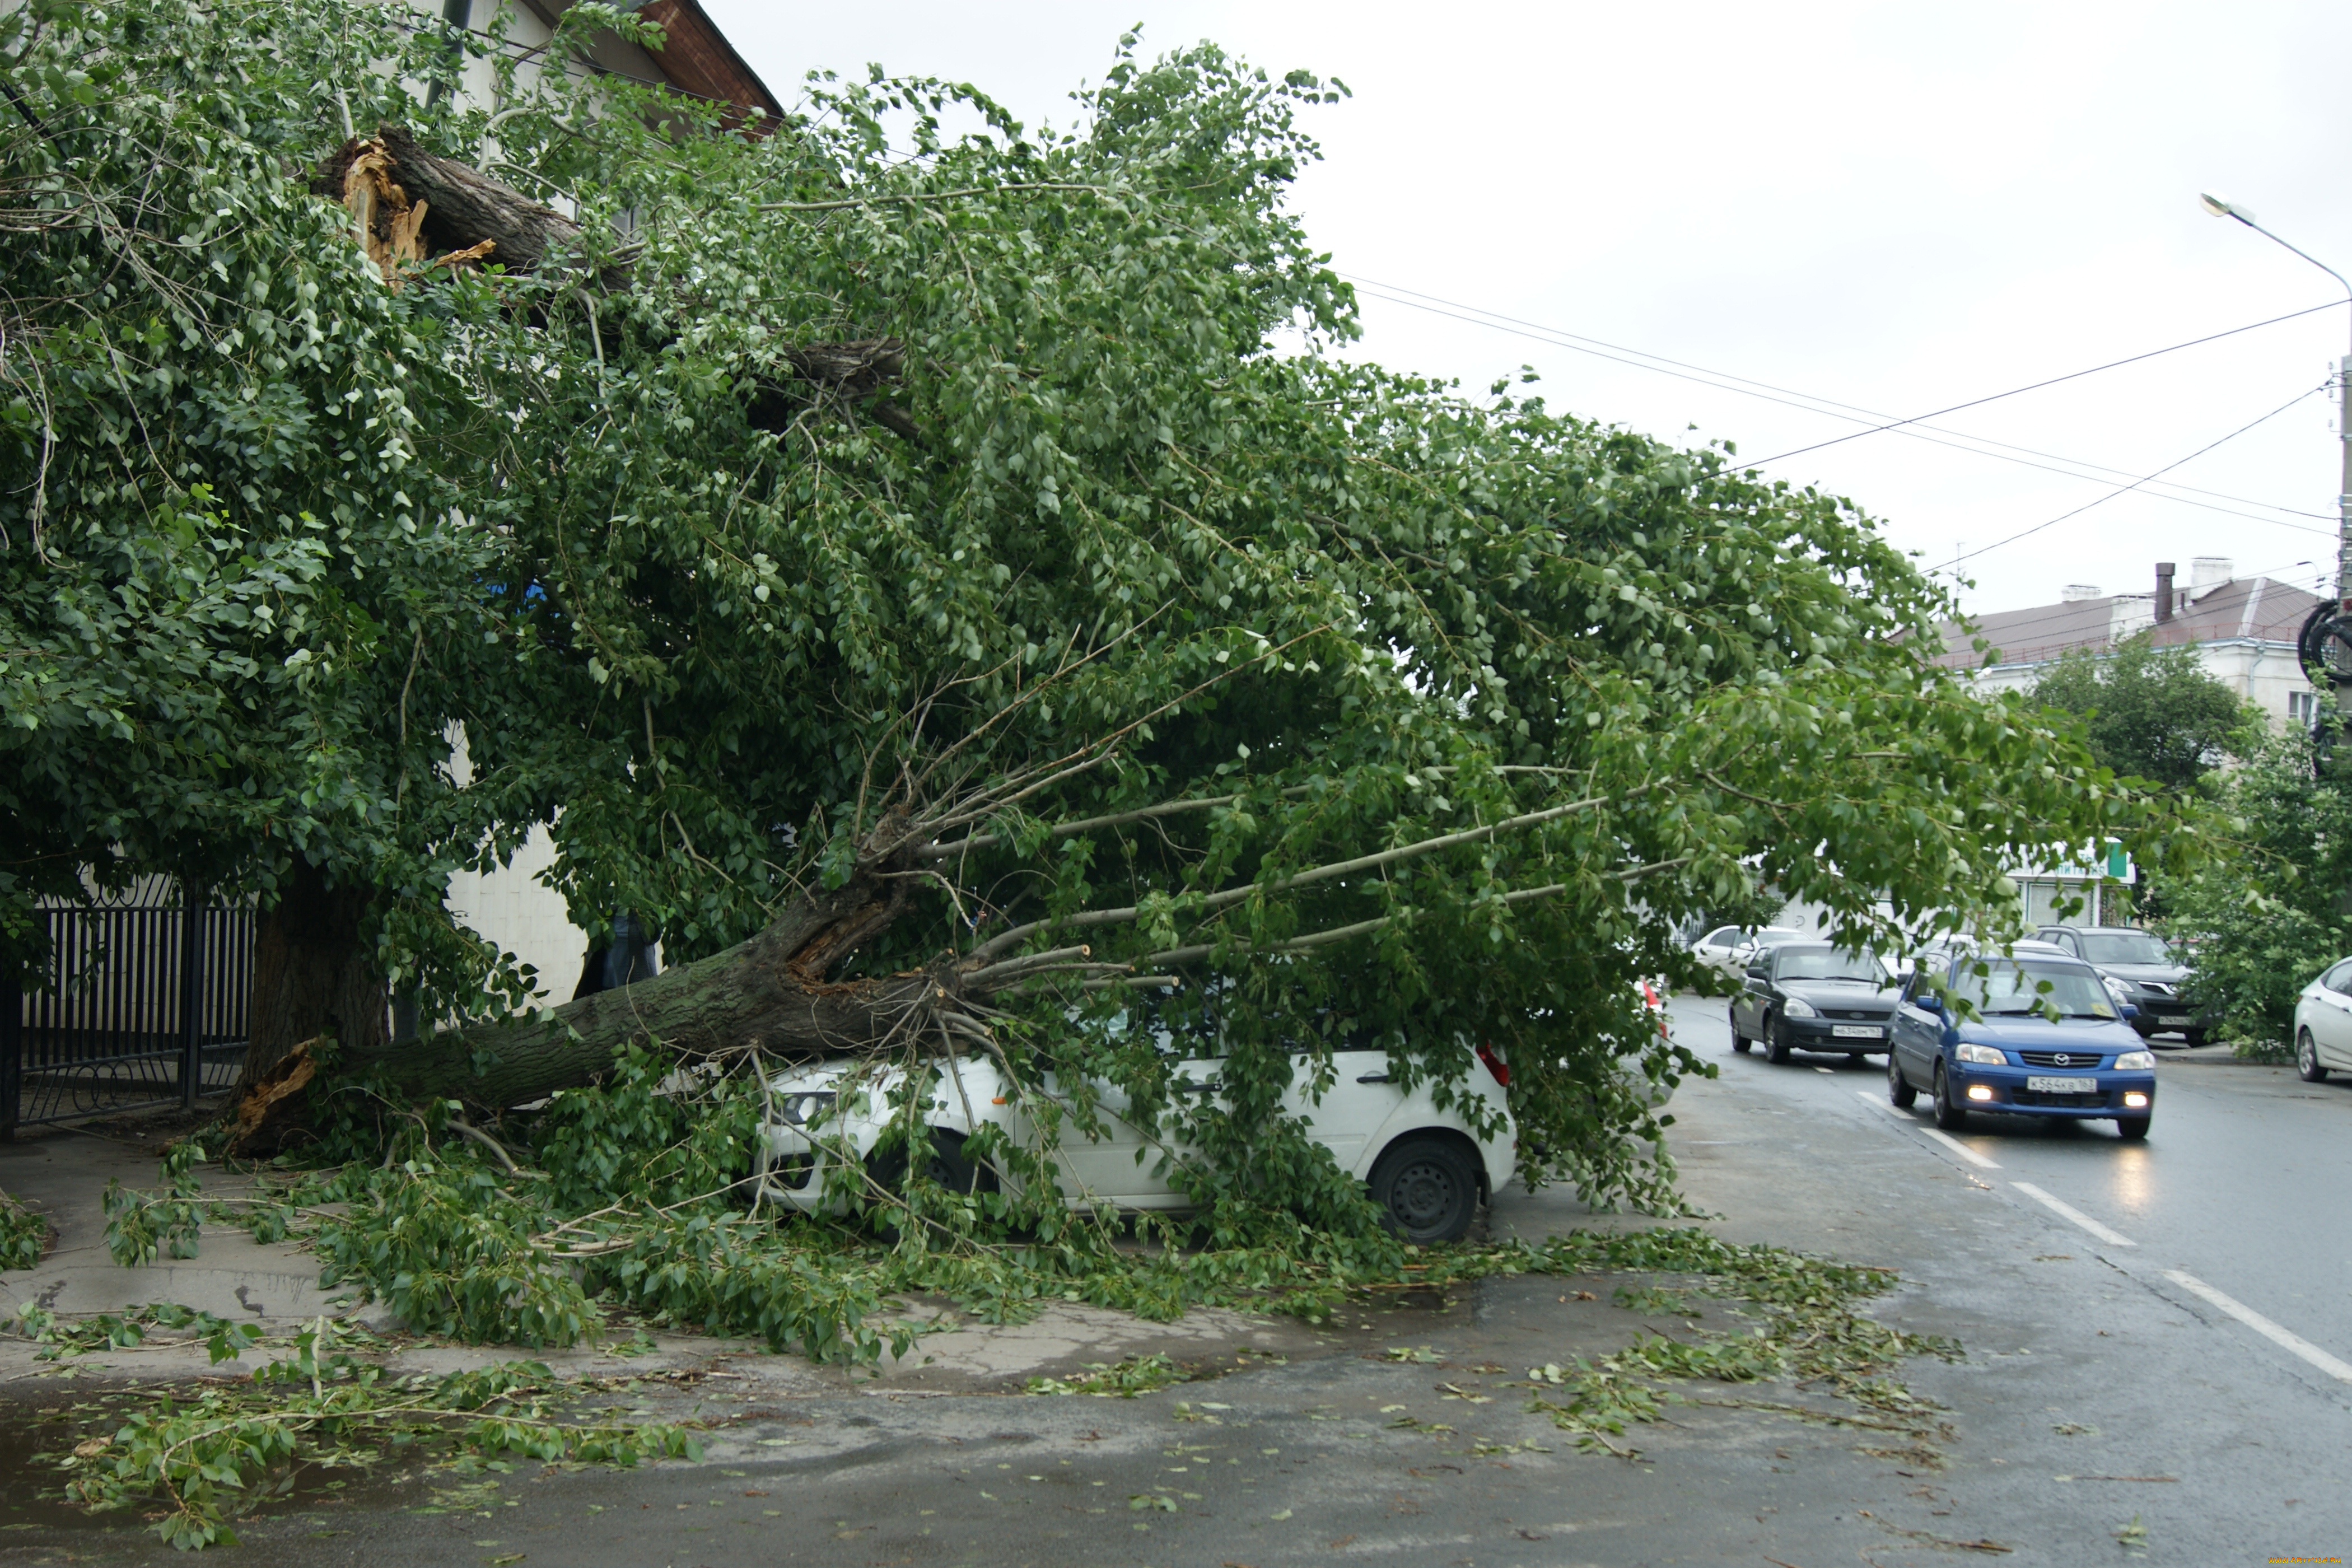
[463,208]
[313,974]
[770,993]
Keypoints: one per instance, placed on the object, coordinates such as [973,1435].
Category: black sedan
[1811,997]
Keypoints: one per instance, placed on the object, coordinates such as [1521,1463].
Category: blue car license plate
[1853,1031]
[2062,1085]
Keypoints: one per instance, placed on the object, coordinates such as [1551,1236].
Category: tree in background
[2152,713]
[2276,909]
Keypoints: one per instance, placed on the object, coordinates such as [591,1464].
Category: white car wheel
[1427,1189]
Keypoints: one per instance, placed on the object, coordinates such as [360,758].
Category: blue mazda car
[2039,1036]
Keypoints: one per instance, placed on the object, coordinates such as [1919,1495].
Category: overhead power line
[2054,381]
[1914,427]
[2126,489]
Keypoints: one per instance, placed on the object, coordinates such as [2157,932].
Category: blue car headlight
[2135,1061]
[1798,1007]
[1982,1055]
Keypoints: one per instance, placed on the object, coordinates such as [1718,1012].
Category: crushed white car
[1428,1168]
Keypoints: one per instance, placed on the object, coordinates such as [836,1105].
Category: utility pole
[2344,488]
[2326,641]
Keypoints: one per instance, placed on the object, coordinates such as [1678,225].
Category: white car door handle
[1373,1078]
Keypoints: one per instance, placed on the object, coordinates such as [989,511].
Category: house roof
[695,57]
[699,58]
[2260,607]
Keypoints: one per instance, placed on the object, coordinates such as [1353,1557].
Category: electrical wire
[1830,407]
[1706,375]
[2126,490]
[2054,381]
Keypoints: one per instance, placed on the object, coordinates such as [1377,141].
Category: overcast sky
[1896,208]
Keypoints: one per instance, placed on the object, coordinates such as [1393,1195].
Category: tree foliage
[2269,916]
[968,548]
[2152,713]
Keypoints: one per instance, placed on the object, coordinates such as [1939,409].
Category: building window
[2302,707]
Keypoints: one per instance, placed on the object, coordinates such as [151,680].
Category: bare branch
[1232,895]
[1166,808]
[1194,954]
[913,198]
[1016,787]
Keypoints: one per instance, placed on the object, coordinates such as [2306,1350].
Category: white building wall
[524,916]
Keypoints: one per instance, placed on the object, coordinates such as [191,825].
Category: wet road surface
[2103,1412]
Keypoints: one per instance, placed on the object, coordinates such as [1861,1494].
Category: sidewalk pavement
[62,1174]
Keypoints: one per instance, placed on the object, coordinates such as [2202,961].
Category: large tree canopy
[942,579]
[2153,714]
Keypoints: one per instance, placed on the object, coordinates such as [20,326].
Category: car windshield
[2124,947]
[2013,989]
[1821,963]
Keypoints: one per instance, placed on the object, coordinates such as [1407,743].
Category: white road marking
[1945,1139]
[1822,1069]
[2068,1211]
[1962,1150]
[2262,1326]
[2285,1339]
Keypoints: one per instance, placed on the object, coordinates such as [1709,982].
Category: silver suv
[2139,968]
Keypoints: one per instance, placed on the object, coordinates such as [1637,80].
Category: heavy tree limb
[461,208]
[1232,895]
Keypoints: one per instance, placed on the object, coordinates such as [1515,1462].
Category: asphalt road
[2241,1184]
[2104,1411]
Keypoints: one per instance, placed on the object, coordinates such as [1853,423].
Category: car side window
[1721,936]
[2339,979]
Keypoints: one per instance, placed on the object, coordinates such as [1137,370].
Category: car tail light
[1496,1065]
[1656,1003]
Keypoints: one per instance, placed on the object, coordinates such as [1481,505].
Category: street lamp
[2221,207]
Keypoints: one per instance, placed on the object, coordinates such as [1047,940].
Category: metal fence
[140,1005]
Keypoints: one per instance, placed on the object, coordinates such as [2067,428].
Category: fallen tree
[938,594]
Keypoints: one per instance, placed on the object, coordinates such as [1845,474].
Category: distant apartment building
[2244,630]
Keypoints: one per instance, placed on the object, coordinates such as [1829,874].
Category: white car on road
[1427,1168]
[2323,1023]
[1732,949]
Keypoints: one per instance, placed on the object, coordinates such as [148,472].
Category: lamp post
[2221,207]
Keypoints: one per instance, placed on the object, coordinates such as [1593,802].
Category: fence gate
[141,1005]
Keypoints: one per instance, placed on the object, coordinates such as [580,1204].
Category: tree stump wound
[274,1110]
[463,214]
[416,208]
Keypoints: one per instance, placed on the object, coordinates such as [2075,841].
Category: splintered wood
[387,224]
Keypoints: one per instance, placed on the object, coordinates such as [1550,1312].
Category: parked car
[2323,1023]
[2143,971]
[1428,1168]
[1813,996]
[1732,949]
[2088,1064]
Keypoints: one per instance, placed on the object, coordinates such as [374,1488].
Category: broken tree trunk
[770,993]
[417,208]
[313,972]
[464,211]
